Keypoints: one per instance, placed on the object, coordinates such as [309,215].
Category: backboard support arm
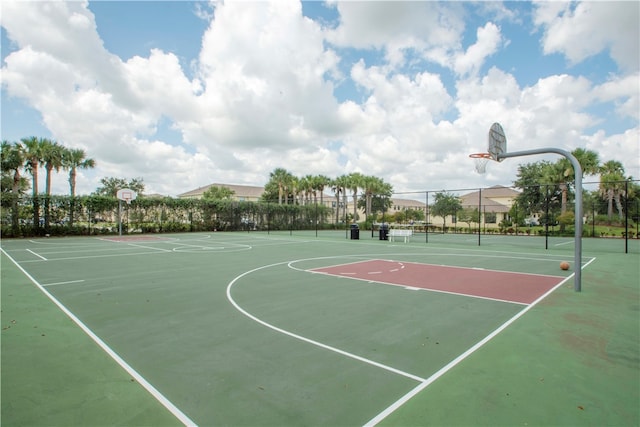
[577,169]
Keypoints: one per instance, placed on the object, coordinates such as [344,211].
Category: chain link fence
[609,211]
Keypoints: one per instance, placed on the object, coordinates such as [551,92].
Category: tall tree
[339,186]
[445,204]
[218,193]
[52,158]
[33,155]
[530,179]
[372,185]
[355,182]
[282,178]
[562,173]
[305,186]
[556,174]
[72,160]
[320,183]
[589,161]
[612,185]
[110,186]
[12,160]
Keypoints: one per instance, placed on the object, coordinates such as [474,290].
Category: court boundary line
[408,396]
[181,416]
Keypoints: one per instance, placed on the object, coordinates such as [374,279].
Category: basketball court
[257,329]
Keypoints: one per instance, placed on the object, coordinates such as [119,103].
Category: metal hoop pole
[577,170]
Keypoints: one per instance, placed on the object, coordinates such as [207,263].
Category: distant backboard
[497,143]
[126,194]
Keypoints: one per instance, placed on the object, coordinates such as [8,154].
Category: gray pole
[119,217]
[479,213]
[577,259]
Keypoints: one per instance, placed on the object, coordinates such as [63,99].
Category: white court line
[96,256]
[39,256]
[119,360]
[63,283]
[148,247]
[404,399]
[305,339]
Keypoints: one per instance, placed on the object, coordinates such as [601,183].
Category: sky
[185,94]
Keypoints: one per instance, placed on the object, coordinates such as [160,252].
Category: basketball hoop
[126,195]
[481,160]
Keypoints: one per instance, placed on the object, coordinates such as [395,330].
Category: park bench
[405,234]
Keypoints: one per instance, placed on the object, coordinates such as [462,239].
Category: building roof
[407,203]
[493,199]
[240,191]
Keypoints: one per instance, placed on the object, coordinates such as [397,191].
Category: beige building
[494,203]
[241,193]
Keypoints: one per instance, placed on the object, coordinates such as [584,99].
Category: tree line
[543,184]
[546,184]
[29,155]
[546,189]
[286,188]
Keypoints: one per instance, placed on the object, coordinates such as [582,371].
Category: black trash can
[355,232]
[384,231]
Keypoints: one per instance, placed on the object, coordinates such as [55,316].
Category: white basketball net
[481,164]
[481,160]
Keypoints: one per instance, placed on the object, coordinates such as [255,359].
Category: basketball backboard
[126,195]
[497,143]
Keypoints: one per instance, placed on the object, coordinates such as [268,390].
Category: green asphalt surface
[572,359]
[53,374]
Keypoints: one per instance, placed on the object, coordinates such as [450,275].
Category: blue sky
[228,91]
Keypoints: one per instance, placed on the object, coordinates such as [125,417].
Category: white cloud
[625,92]
[263,95]
[583,29]
[488,42]
[397,26]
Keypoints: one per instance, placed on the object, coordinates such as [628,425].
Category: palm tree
[305,185]
[554,173]
[589,161]
[52,158]
[12,161]
[283,179]
[612,185]
[339,185]
[33,156]
[372,185]
[562,173]
[355,182]
[294,189]
[72,160]
[320,183]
